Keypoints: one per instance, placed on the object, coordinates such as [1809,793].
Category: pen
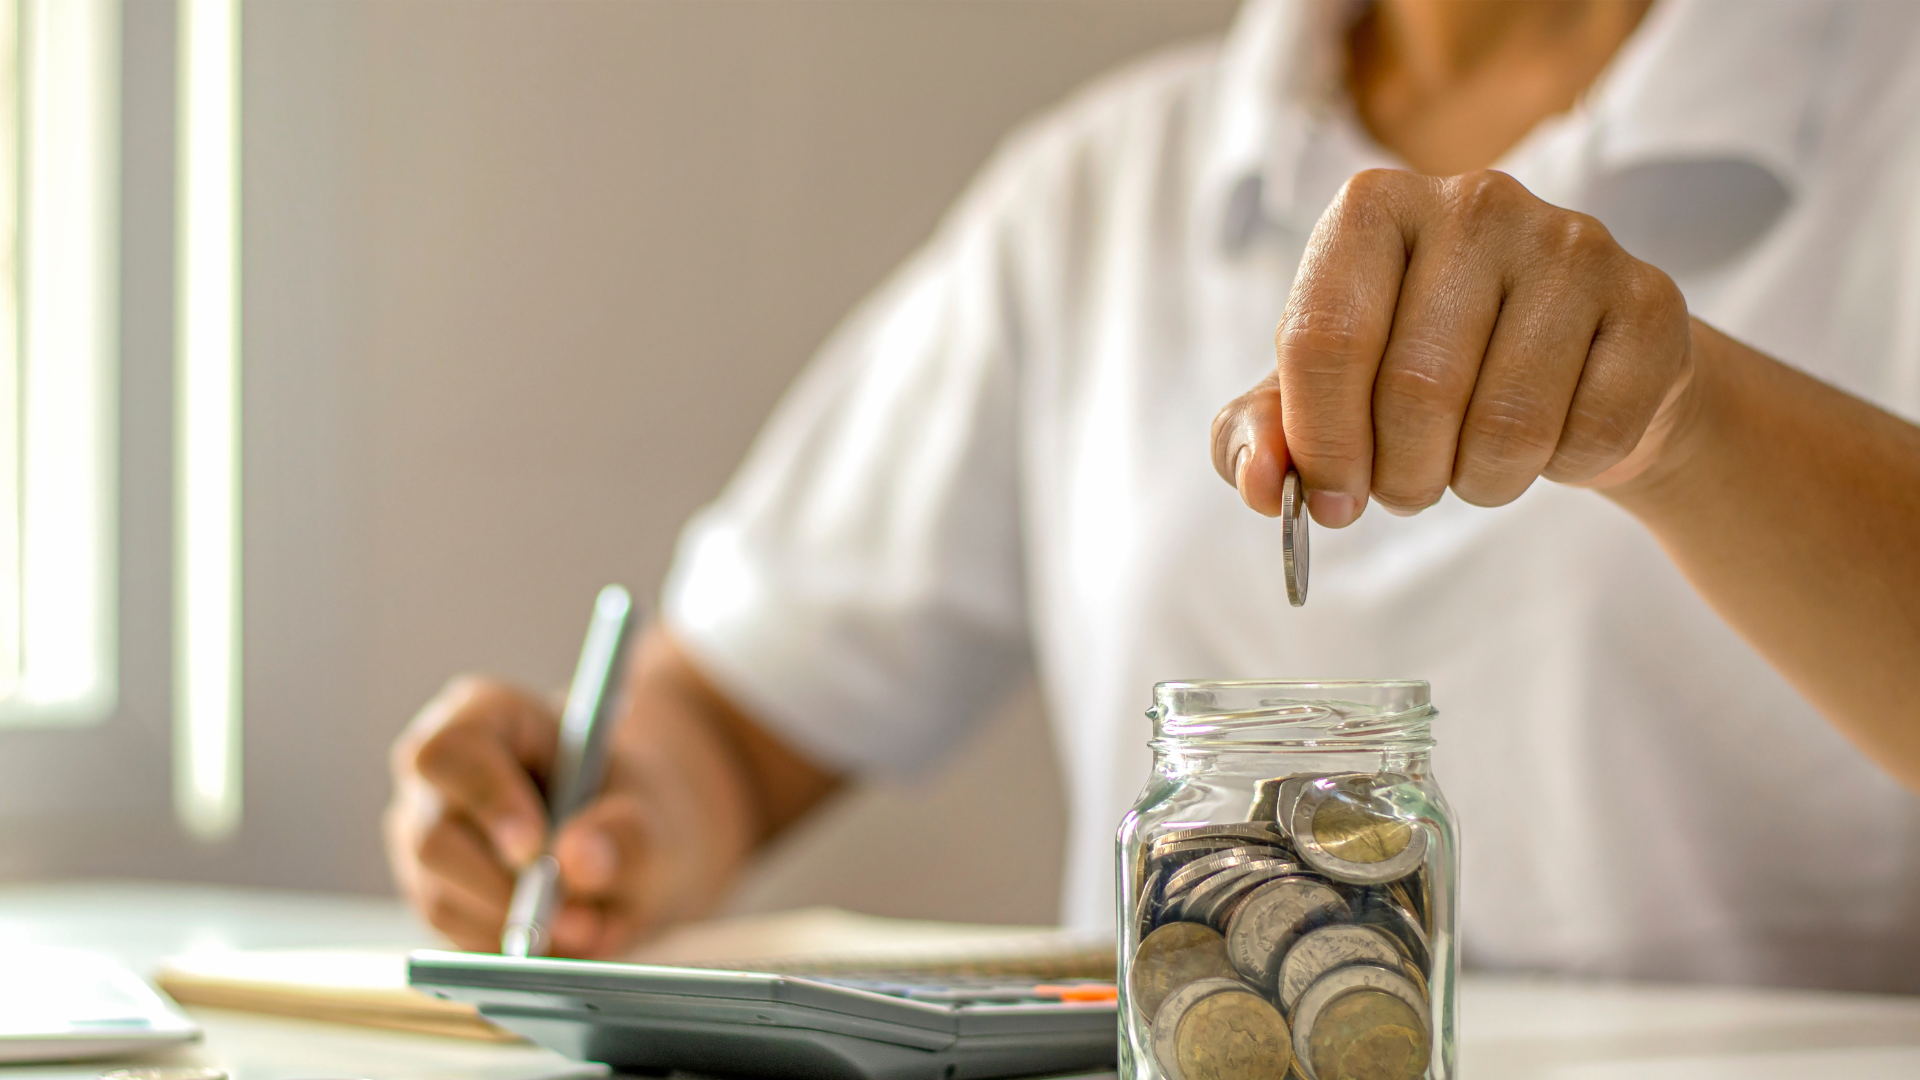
[579,764]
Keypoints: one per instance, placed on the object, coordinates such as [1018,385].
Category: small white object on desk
[66,1005]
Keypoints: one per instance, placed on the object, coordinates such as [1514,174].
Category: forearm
[719,784]
[1795,510]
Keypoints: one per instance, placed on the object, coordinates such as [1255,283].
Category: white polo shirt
[999,466]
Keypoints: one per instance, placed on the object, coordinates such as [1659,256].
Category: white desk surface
[1512,1029]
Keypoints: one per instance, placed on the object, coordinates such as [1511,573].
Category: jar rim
[1348,714]
[1418,686]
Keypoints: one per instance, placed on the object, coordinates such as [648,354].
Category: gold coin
[1233,1036]
[1164,1033]
[1171,957]
[1368,1035]
[1358,835]
[1266,801]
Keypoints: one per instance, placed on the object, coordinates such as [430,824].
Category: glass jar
[1287,888]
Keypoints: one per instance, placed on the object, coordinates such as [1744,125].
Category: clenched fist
[1458,333]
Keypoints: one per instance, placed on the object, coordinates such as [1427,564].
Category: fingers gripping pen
[579,765]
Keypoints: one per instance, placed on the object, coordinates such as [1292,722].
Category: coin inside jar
[1212,897]
[1233,1036]
[1200,845]
[1287,795]
[1266,795]
[1268,921]
[1320,951]
[1368,1035]
[1385,907]
[1143,904]
[1350,832]
[1208,865]
[1165,1029]
[1255,832]
[1362,1023]
[1363,843]
[1171,957]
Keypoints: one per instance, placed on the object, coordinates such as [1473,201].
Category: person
[1675,676]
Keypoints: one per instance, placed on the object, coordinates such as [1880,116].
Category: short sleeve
[857,586]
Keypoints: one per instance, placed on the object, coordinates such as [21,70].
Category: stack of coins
[1296,940]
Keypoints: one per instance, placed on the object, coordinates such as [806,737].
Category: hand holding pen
[691,788]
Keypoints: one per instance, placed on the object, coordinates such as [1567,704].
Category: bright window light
[58,194]
[207,423]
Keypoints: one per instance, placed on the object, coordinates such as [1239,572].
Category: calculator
[647,1019]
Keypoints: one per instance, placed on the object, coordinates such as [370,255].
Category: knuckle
[1328,440]
[1486,194]
[1580,240]
[1594,440]
[1319,342]
[1415,382]
[1650,292]
[439,755]
[448,711]
[465,685]
[1371,186]
[403,755]
[1505,434]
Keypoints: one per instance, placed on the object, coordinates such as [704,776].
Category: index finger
[480,745]
[1331,337]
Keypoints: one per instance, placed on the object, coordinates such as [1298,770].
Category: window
[58,167]
[206,641]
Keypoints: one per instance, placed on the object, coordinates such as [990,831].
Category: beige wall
[522,279]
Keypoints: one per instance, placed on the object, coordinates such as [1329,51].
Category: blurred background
[518,282]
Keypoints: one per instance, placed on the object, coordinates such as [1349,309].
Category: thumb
[600,849]
[1250,446]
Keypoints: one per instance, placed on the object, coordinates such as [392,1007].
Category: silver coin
[1171,858]
[1359,978]
[1176,842]
[1345,835]
[1166,1020]
[1293,537]
[1320,951]
[1143,904]
[1185,851]
[1208,865]
[1383,907]
[1207,901]
[1255,832]
[1267,922]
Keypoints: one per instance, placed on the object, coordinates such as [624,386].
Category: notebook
[369,986]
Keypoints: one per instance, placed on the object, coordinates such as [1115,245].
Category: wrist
[1680,432]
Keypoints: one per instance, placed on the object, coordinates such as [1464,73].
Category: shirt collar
[1280,69]
[1702,80]
[1664,97]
